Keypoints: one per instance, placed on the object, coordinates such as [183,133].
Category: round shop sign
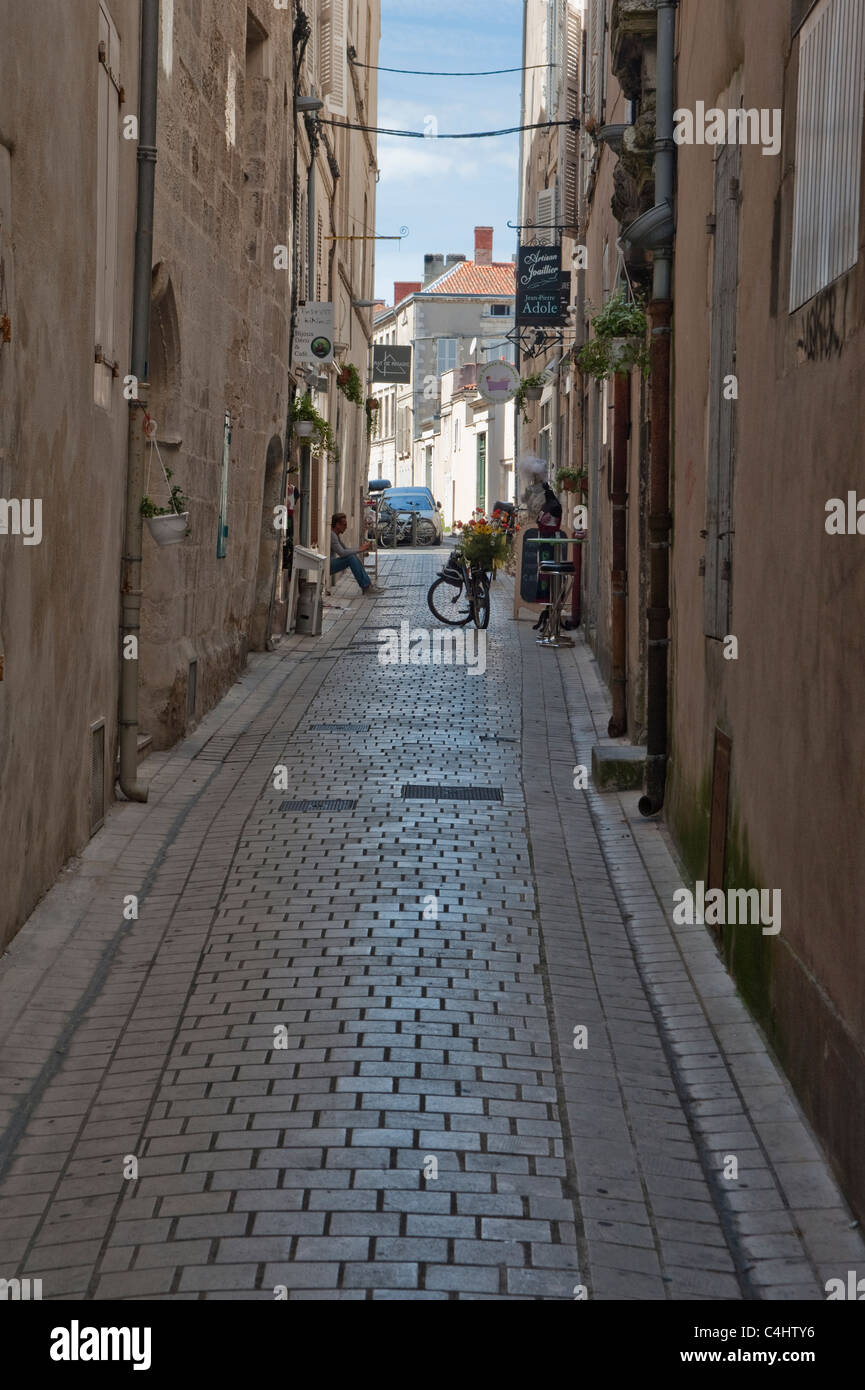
[321,347]
[498,381]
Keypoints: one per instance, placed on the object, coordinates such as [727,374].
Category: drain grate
[339,728]
[336,805]
[440,792]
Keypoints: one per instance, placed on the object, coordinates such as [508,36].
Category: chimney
[403,288]
[453,258]
[433,267]
[483,245]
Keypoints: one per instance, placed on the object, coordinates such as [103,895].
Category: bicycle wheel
[480,604]
[443,598]
[426,533]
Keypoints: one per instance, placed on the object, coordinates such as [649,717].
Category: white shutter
[546,213]
[828,147]
[332,62]
[570,144]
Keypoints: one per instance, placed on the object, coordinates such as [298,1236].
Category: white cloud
[414,160]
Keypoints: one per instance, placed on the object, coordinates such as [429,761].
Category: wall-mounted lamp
[310,103]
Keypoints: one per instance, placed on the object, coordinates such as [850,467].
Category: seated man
[342,558]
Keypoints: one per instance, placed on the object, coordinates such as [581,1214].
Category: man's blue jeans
[353,563]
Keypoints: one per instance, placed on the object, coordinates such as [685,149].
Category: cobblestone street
[338,1050]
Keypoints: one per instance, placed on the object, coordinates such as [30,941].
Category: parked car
[396,508]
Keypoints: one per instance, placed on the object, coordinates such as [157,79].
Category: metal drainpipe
[619,569]
[660,519]
[130,590]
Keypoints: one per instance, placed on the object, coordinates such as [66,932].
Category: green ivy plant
[352,387]
[179,502]
[302,408]
[528,383]
[620,317]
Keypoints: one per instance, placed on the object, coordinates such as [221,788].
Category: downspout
[520,218]
[660,520]
[130,589]
[305,452]
[300,39]
[619,566]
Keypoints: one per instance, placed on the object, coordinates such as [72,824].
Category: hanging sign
[313,334]
[498,382]
[539,285]
[390,363]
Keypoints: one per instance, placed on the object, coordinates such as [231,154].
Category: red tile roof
[467,277]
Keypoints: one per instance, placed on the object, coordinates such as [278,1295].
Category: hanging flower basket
[169,529]
[304,428]
[167,525]
[624,352]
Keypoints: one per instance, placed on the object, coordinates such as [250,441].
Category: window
[107,167]
[828,147]
[482,471]
[500,311]
[547,214]
[446,354]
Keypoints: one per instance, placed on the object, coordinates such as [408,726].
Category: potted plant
[569,479]
[372,407]
[305,419]
[167,525]
[533,386]
[619,341]
[350,384]
[325,443]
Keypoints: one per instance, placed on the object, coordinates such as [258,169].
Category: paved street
[336,1053]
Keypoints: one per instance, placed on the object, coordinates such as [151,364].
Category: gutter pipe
[660,519]
[130,590]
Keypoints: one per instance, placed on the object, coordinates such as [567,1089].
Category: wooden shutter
[332,61]
[570,144]
[722,413]
[828,147]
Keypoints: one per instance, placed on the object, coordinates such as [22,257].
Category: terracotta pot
[569,484]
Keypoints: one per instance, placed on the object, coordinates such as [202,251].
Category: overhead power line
[418,72]
[466,135]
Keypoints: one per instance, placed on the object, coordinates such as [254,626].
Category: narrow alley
[314,1036]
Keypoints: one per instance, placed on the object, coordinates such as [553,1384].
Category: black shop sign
[540,285]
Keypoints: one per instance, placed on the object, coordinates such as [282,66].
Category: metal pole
[130,589]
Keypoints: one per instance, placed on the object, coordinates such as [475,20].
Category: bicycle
[394,528]
[445,592]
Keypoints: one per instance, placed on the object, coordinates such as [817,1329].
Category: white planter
[304,428]
[169,529]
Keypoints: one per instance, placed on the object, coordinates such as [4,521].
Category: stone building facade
[765,566]
[230,266]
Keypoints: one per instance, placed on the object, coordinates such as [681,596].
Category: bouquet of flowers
[484,541]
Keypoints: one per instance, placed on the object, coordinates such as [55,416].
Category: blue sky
[442,189]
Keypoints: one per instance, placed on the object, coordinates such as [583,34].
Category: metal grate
[336,805]
[439,792]
[339,728]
